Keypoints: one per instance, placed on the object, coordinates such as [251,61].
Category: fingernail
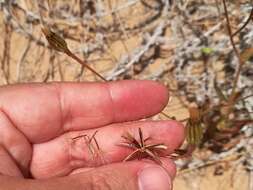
[154,178]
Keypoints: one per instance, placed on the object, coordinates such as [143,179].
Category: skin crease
[38,121]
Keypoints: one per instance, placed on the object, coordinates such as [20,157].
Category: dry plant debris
[91,143]
[141,149]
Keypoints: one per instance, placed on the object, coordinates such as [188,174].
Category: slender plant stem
[235,50]
[245,24]
[69,53]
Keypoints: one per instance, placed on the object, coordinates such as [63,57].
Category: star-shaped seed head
[141,148]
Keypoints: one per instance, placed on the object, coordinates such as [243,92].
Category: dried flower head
[59,44]
[141,149]
[55,41]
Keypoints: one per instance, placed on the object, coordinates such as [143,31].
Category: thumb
[135,175]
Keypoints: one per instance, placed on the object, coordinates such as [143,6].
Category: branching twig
[235,50]
[245,24]
[22,58]
[136,57]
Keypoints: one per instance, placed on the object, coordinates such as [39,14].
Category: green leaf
[207,50]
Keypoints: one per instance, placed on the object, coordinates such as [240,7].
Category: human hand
[39,121]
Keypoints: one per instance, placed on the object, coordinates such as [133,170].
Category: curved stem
[235,50]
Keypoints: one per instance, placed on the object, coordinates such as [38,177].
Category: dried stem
[69,53]
[6,52]
[22,58]
[245,24]
[235,50]
[88,140]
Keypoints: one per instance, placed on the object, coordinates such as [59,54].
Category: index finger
[44,111]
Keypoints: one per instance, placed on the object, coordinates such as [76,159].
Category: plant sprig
[91,142]
[141,148]
[59,44]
